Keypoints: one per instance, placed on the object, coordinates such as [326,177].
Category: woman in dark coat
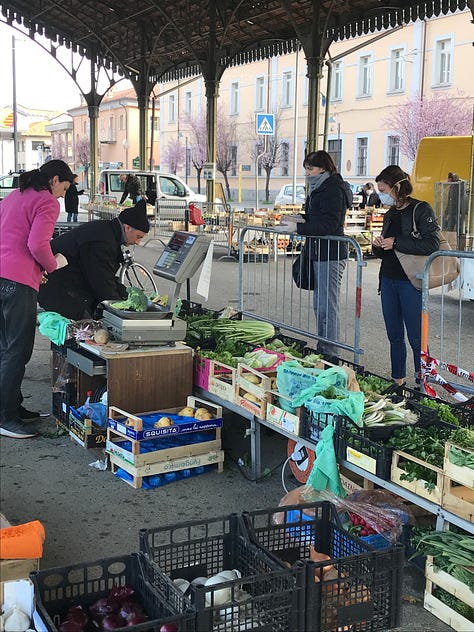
[324,216]
[71,200]
[401,301]
[94,254]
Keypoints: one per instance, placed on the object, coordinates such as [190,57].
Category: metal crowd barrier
[447,331]
[267,290]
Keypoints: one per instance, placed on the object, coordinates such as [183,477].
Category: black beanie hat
[136,217]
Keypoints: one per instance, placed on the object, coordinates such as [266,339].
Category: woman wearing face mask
[401,301]
[324,214]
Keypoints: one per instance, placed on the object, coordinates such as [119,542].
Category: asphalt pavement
[89,514]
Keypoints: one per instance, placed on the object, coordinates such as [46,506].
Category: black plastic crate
[355,446]
[203,549]
[58,589]
[336,360]
[297,343]
[362,591]
[62,402]
[312,424]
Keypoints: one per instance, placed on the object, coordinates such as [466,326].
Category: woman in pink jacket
[27,219]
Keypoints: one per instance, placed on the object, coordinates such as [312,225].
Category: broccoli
[136,301]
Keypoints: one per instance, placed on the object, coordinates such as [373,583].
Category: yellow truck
[435,158]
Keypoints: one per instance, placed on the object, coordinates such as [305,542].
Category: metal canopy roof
[156,40]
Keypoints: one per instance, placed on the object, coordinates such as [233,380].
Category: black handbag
[303,272]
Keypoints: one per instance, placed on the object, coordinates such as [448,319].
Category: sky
[40,80]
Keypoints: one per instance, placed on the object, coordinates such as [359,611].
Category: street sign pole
[265,126]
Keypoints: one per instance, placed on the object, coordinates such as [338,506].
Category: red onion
[76,613]
[134,619]
[119,593]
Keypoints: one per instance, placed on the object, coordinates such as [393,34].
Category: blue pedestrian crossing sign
[265,124]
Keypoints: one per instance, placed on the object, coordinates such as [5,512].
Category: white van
[155,185]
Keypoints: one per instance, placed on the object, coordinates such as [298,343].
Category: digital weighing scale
[179,261]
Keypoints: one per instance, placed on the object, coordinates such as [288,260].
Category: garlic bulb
[15,620]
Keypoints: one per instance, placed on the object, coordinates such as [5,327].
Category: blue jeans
[17,337]
[327,286]
[401,308]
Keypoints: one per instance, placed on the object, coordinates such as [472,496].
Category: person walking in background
[71,200]
[94,252]
[324,215]
[27,219]
[401,301]
[131,188]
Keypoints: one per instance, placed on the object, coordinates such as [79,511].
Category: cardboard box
[12,570]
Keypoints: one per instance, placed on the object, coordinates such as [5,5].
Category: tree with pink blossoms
[226,139]
[59,148]
[441,115]
[174,154]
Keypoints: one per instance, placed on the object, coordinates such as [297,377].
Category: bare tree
[441,115]
[82,151]
[197,126]
[174,154]
[226,135]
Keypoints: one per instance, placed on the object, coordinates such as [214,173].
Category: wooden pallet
[451,585]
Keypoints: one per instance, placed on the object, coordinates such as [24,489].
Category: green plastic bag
[325,473]
[352,405]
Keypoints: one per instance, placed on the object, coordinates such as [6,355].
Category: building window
[154,123]
[364,88]
[306,87]
[335,151]
[287,89]
[234,97]
[336,84]
[285,158]
[188,103]
[233,160]
[172,108]
[443,62]
[85,128]
[260,99]
[397,71]
[393,150]
[362,146]
[121,122]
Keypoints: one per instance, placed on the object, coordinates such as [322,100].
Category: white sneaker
[15,430]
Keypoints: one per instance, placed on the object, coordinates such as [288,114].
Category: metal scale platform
[179,261]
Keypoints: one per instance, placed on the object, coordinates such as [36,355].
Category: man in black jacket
[131,188]
[94,254]
[71,200]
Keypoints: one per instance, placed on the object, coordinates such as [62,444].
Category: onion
[113,621]
[76,613]
[134,619]
[101,607]
[130,609]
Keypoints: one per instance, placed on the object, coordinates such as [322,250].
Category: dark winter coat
[399,224]
[71,199]
[94,255]
[325,212]
[132,188]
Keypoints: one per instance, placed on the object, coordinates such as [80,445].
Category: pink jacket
[26,226]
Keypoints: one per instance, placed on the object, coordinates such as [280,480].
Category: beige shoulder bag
[442,270]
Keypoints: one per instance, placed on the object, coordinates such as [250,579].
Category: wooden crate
[454,587]
[221,381]
[122,433]
[266,379]
[277,416]
[458,473]
[86,433]
[418,486]
[458,486]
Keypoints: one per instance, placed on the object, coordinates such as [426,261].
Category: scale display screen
[182,256]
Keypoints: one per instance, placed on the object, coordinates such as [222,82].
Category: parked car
[285,195]
[156,185]
[8,184]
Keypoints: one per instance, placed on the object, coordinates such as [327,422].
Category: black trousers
[17,337]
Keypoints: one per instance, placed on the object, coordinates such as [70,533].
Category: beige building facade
[371,76]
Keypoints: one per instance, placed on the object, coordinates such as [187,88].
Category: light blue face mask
[386,199]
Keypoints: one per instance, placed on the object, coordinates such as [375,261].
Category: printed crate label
[361,460]
[280,417]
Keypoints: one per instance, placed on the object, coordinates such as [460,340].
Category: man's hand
[61,260]
[286,226]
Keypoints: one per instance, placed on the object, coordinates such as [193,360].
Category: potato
[101,336]
[163,422]
[187,411]
[202,413]
[250,377]
[251,397]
